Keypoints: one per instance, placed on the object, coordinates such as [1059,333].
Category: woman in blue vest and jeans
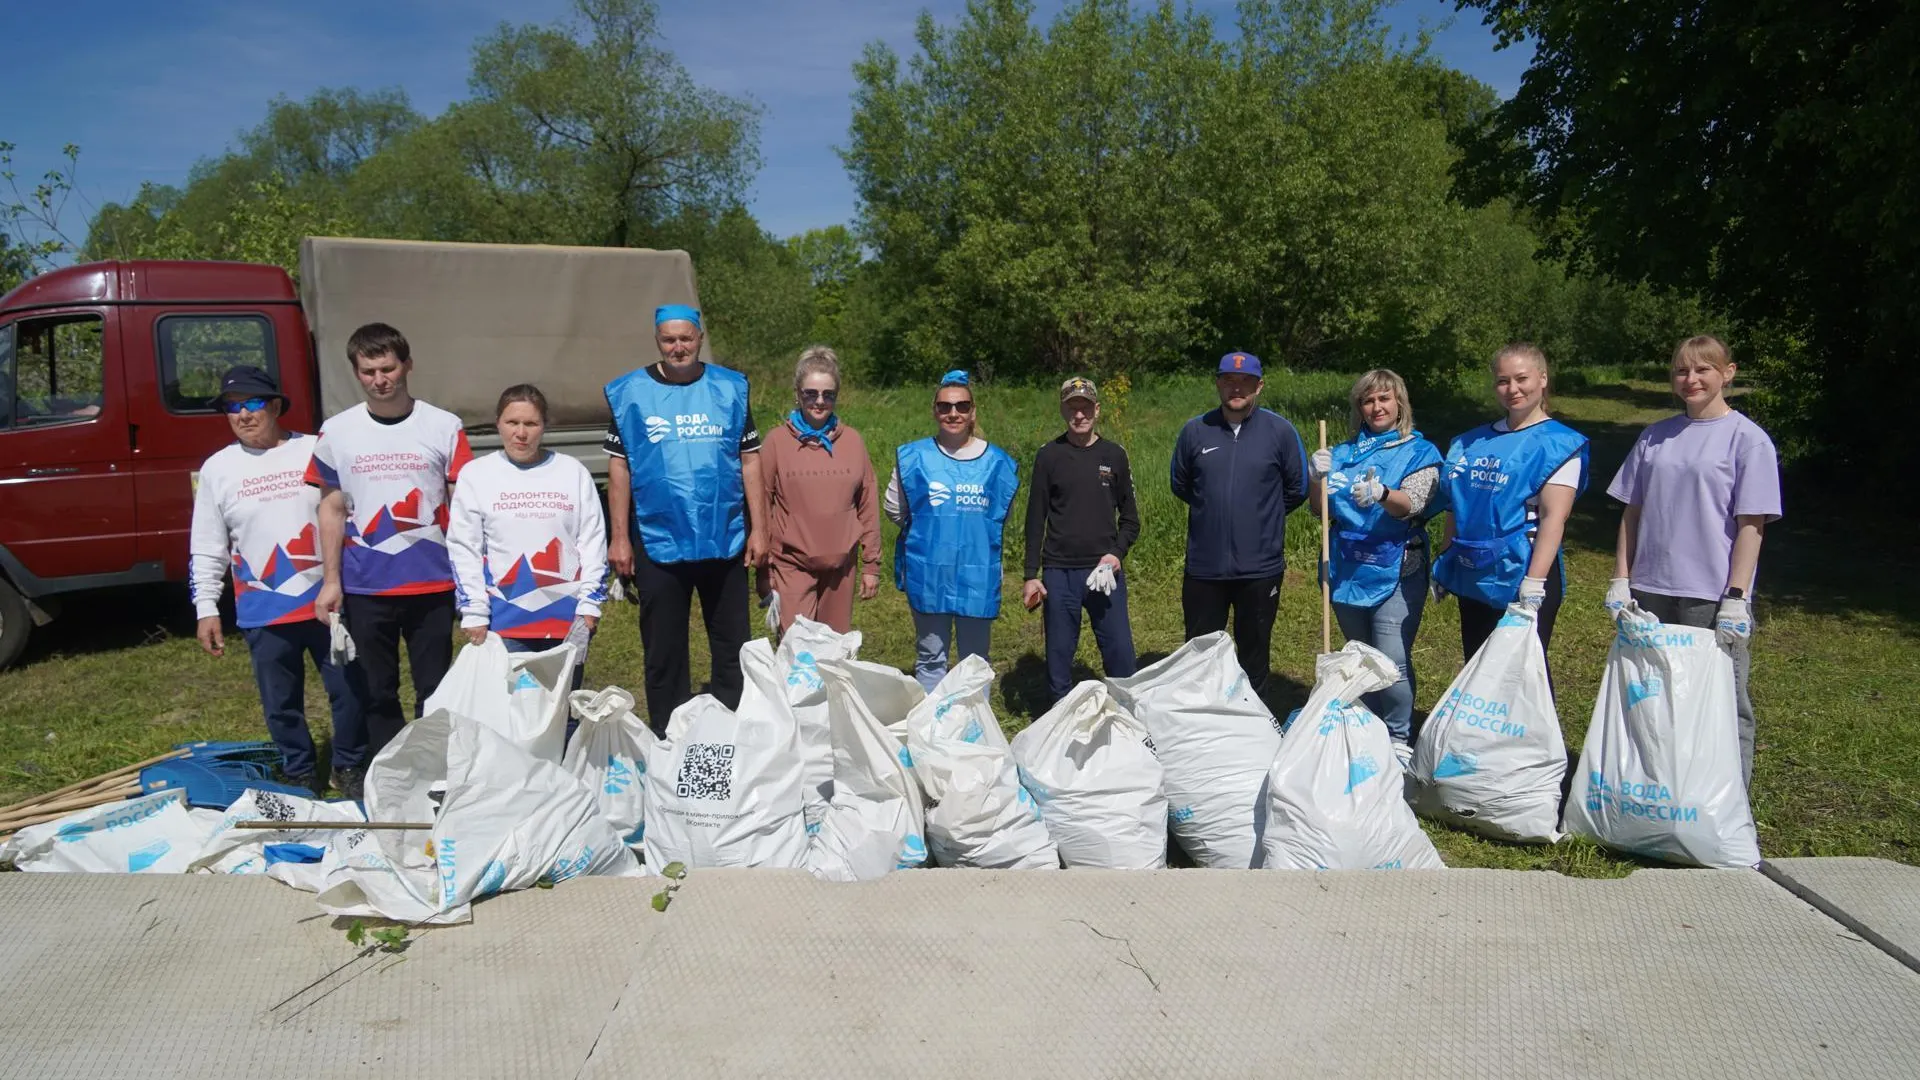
[1509,488]
[950,495]
[1379,484]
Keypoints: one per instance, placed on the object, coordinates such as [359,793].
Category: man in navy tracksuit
[1241,470]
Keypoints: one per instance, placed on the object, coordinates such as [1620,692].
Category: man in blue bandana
[683,471]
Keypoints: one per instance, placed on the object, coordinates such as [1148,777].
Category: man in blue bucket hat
[683,474]
[1241,470]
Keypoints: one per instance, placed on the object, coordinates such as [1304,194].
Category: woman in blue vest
[950,495]
[1509,487]
[1379,484]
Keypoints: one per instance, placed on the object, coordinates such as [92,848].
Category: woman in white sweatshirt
[527,536]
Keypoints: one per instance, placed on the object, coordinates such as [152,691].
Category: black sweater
[1079,505]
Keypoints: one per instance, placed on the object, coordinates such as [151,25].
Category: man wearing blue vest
[1241,470]
[683,471]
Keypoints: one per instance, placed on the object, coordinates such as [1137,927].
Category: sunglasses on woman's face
[945,407]
[821,397]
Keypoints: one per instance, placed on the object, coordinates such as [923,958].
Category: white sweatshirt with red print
[529,546]
[254,510]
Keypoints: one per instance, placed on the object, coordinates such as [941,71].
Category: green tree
[1763,155]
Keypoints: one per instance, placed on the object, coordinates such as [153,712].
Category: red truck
[108,374]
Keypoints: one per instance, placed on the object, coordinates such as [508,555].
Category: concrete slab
[958,974]
[210,976]
[1884,896]
[1418,974]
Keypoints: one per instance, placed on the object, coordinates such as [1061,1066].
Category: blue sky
[146,89]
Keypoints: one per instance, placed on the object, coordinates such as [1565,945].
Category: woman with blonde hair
[821,502]
[950,495]
[1379,484]
[1699,489]
[1509,488]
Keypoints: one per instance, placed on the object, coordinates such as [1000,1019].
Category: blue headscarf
[823,434]
[667,313]
[956,377]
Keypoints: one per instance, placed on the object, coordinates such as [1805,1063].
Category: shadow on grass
[113,619]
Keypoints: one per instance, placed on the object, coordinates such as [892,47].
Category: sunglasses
[824,397]
[945,407]
[252,404]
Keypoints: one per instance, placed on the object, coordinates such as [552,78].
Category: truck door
[66,483]
[175,360]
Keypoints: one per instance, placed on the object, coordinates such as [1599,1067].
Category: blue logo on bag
[913,852]
[72,832]
[1339,712]
[1511,620]
[973,732]
[1359,771]
[141,858]
[1638,692]
[638,834]
[562,869]
[619,776]
[906,759]
[805,672]
[1452,764]
[1026,798]
[525,682]
[494,876]
[1182,813]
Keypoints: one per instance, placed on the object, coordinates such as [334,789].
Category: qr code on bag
[706,772]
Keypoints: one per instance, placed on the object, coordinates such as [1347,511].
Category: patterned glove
[1101,580]
[1321,463]
[1533,592]
[1368,490]
[1734,623]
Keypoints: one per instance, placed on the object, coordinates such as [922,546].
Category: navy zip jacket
[1239,490]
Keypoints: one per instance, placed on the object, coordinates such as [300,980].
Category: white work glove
[1101,580]
[773,613]
[616,592]
[340,648]
[1533,592]
[1436,590]
[1368,490]
[1321,463]
[1619,595]
[1734,624]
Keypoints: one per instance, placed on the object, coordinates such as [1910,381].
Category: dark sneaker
[350,783]
[303,781]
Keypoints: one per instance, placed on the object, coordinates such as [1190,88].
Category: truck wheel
[15,624]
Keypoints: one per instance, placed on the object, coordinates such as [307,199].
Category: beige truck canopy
[482,317]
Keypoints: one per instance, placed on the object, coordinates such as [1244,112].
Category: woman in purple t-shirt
[1699,489]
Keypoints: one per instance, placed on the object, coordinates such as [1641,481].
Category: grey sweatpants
[1687,611]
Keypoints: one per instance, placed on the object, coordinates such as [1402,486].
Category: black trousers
[1254,602]
[666,603]
[1477,620]
[378,624]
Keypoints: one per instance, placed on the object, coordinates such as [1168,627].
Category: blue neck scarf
[822,434]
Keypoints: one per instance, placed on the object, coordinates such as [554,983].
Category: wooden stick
[1326,560]
[71,803]
[12,825]
[295,826]
[92,782]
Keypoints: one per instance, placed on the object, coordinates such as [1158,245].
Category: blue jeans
[943,639]
[279,654]
[1390,628]
[1067,596]
[530,645]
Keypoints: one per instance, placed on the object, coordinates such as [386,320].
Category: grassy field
[119,677]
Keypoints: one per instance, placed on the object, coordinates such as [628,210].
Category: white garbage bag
[979,815]
[1660,773]
[1491,758]
[802,647]
[728,788]
[1336,798]
[1216,741]
[1090,766]
[521,696]
[507,820]
[293,856]
[609,754]
[150,834]
[875,823]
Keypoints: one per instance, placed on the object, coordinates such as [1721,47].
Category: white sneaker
[1405,753]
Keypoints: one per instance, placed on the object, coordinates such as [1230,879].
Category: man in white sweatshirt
[253,509]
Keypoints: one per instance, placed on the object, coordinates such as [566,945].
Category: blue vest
[947,559]
[1488,477]
[1369,545]
[683,450]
